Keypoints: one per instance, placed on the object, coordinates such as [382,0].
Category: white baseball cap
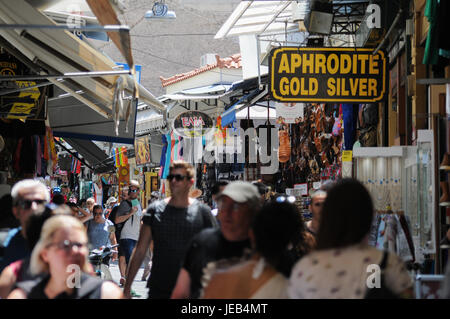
[241,192]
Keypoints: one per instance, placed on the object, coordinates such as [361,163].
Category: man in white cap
[237,205]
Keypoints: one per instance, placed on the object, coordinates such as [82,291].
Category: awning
[214,91]
[99,161]
[256,113]
[148,121]
[262,17]
[229,116]
[69,118]
[59,51]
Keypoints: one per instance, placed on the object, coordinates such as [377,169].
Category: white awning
[263,17]
[214,91]
[256,113]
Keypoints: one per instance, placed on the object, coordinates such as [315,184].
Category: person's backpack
[112,217]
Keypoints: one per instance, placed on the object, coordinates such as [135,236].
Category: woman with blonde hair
[62,255]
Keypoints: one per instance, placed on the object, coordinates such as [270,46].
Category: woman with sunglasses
[61,254]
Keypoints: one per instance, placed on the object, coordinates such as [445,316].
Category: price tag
[302,188]
[347,156]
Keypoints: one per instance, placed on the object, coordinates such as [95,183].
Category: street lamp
[160,11]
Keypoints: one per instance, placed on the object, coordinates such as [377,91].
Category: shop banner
[142,149]
[327,75]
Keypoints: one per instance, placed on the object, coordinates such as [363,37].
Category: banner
[327,75]
[21,104]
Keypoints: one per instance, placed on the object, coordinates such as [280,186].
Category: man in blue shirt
[27,196]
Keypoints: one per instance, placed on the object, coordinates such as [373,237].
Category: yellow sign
[327,75]
[347,156]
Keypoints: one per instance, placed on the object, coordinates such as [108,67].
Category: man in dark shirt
[237,205]
[171,224]
[27,196]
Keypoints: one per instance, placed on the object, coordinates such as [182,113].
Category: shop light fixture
[160,11]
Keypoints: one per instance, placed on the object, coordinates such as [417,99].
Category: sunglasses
[133,190]
[282,199]
[178,177]
[26,203]
[67,245]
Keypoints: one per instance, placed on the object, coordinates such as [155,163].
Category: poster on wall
[289,112]
[142,149]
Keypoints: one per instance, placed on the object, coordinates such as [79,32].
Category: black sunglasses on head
[178,177]
[26,203]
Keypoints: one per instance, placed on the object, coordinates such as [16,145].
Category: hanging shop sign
[327,75]
[192,124]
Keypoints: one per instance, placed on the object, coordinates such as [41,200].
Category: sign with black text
[327,75]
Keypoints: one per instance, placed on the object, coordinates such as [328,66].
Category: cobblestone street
[139,286]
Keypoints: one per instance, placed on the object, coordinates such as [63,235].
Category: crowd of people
[244,246]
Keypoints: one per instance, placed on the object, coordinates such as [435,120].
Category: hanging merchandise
[75,168]
[284,152]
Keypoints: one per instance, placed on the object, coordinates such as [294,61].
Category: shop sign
[24,103]
[347,156]
[327,75]
[192,124]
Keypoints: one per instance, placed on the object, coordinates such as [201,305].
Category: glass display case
[401,182]
[420,193]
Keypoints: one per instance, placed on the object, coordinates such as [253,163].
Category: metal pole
[62,76]
[106,28]
[397,17]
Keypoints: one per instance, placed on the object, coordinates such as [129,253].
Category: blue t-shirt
[16,248]
[98,234]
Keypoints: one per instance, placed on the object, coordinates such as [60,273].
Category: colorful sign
[327,75]
[142,150]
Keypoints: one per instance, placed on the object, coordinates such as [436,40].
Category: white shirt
[343,273]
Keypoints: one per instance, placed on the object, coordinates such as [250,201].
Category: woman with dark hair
[274,228]
[343,264]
